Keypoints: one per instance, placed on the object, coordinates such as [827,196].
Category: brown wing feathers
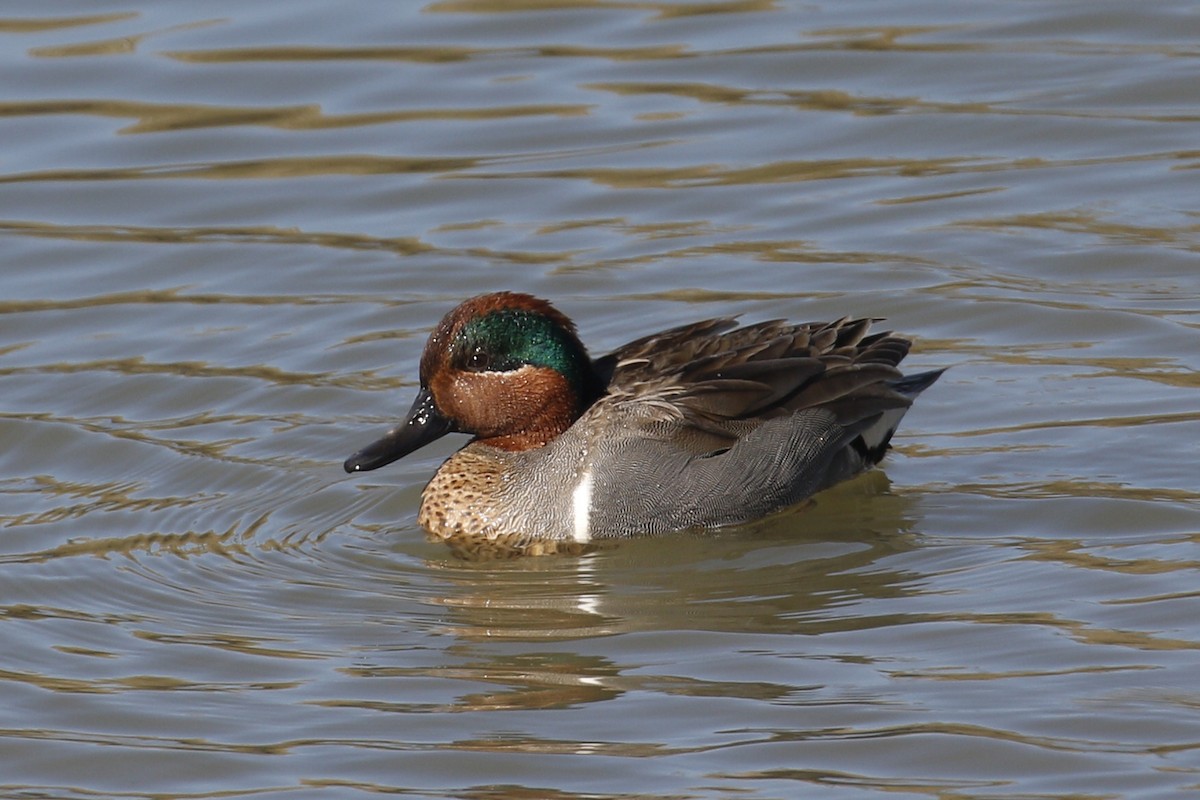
[714,370]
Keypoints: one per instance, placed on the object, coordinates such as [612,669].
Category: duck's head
[506,367]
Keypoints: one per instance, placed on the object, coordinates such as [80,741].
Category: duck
[699,427]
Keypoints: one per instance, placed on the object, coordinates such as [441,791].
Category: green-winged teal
[700,426]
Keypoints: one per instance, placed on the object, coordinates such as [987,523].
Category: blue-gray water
[226,228]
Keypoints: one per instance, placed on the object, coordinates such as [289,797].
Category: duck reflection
[547,629]
[772,576]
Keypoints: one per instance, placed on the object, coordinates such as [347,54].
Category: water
[228,227]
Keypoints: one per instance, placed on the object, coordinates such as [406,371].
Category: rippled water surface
[227,228]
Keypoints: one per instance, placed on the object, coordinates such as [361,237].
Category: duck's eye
[479,361]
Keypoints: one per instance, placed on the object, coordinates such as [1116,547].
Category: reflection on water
[800,563]
[227,234]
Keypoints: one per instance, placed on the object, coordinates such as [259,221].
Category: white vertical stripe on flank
[581,505]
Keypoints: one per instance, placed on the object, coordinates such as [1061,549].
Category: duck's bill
[425,423]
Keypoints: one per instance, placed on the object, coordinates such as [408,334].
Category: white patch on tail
[883,428]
